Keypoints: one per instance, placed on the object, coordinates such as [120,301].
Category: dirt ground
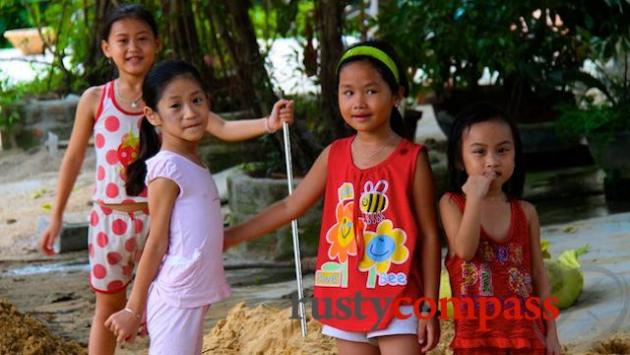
[49,313]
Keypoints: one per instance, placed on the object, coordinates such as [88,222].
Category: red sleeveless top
[367,246]
[499,269]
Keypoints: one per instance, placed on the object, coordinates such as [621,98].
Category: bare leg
[102,341]
[346,347]
[403,344]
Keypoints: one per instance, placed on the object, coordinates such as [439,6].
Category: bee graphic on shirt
[374,201]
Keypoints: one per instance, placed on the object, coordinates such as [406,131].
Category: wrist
[473,198]
[56,217]
[427,311]
[131,311]
[267,126]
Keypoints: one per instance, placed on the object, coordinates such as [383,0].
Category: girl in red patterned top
[378,248]
[494,242]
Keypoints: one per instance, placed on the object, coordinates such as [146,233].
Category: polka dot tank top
[116,142]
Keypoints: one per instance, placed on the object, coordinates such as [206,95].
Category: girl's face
[489,147]
[132,46]
[365,99]
[182,112]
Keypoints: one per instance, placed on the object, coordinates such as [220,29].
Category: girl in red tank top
[494,260]
[378,253]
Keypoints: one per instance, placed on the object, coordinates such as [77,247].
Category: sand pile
[267,330]
[22,334]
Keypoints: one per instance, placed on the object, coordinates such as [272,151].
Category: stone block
[73,235]
[248,196]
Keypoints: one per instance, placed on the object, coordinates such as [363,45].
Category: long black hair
[396,119]
[153,86]
[128,11]
[477,113]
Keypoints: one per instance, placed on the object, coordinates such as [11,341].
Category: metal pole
[294,230]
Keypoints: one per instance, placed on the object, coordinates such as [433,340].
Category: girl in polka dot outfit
[180,273]
[494,240]
[112,113]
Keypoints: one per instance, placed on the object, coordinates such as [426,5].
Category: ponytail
[137,170]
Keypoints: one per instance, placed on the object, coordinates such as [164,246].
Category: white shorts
[396,327]
[174,330]
[115,242]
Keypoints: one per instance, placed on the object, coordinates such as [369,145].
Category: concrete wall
[248,196]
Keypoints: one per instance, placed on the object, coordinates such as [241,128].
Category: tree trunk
[250,64]
[98,71]
[181,36]
[237,31]
[330,26]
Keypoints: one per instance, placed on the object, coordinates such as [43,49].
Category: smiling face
[489,147]
[346,232]
[381,248]
[132,46]
[365,99]
[182,111]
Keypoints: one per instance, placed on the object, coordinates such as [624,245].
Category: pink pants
[174,330]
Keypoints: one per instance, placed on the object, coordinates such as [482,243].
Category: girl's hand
[477,186]
[47,240]
[282,112]
[553,344]
[124,324]
[428,332]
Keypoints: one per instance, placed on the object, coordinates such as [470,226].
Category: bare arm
[541,285]
[462,231]
[424,203]
[285,210]
[71,164]
[162,195]
[239,130]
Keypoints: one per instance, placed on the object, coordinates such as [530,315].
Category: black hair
[153,86]
[131,11]
[396,119]
[477,113]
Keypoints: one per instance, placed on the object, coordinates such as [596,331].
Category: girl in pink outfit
[112,113]
[180,273]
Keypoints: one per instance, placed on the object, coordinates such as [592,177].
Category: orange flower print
[341,234]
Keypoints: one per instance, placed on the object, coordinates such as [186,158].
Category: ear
[105,48]
[158,45]
[152,116]
[398,96]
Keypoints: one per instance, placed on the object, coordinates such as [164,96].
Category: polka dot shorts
[115,243]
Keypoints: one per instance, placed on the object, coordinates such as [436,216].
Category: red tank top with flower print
[500,270]
[367,254]
[116,142]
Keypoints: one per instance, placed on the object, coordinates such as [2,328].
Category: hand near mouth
[477,186]
[491,174]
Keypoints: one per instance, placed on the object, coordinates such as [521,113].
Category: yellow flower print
[384,247]
[341,234]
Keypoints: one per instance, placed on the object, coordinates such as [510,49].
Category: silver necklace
[134,103]
[372,155]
